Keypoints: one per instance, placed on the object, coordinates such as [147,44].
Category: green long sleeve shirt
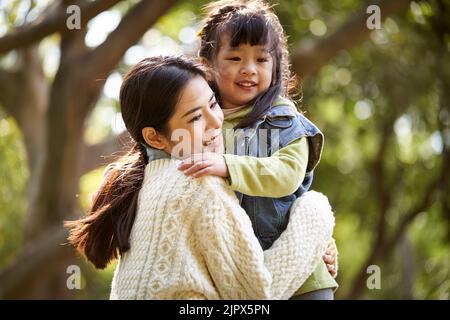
[284,172]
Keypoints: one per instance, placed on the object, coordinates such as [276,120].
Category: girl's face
[242,73]
[196,125]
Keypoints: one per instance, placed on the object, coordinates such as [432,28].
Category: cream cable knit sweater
[192,240]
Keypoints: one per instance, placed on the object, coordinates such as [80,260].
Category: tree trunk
[53,127]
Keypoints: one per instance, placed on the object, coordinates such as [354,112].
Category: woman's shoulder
[210,192]
[219,187]
[163,173]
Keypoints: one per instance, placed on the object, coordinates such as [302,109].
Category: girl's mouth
[246,84]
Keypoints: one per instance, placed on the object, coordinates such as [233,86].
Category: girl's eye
[235,59]
[215,104]
[263,59]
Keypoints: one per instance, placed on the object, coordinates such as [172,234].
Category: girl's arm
[235,260]
[283,171]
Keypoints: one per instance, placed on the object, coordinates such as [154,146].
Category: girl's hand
[331,258]
[201,164]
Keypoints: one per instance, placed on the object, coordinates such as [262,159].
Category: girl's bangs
[248,29]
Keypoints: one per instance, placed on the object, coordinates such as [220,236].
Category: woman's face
[196,125]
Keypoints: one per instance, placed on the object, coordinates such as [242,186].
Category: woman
[183,238]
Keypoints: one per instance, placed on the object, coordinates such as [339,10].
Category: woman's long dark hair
[148,97]
[249,22]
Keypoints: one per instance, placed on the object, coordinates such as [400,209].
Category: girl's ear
[210,72]
[153,138]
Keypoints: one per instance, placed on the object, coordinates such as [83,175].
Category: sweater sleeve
[284,171]
[235,260]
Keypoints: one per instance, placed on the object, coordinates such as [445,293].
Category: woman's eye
[263,59]
[215,104]
[235,59]
[195,118]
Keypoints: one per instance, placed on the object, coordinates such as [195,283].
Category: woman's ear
[153,138]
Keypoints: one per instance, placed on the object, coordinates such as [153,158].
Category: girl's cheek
[225,71]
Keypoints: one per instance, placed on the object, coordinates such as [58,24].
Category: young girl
[179,237]
[272,150]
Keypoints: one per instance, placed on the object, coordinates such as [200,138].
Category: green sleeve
[319,279]
[276,176]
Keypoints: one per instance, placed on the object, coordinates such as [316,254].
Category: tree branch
[51,22]
[387,246]
[24,96]
[34,258]
[131,28]
[384,198]
[421,207]
[8,91]
[96,155]
[308,59]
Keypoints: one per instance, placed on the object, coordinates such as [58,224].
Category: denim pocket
[282,206]
[279,122]
[271,218]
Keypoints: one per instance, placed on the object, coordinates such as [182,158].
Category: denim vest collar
[280,111]
[155,154]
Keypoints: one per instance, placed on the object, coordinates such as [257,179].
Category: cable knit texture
[192,240]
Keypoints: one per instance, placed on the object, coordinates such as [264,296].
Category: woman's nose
[215,120]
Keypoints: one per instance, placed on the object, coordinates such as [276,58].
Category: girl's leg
[321,294]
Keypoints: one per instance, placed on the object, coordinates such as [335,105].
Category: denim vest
[280,126]
[155,154]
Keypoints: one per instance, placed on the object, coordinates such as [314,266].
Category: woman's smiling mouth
[211,141]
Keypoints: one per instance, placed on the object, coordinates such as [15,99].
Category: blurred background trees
[381,97]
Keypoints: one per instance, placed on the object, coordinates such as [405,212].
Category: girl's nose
[248,69]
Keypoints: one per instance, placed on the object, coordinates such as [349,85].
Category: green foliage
[101,121]
[432,255]
[95,284]
[392,87]
[182,15]
[13,177]
[88,185]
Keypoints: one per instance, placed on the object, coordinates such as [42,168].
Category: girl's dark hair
[249,22]
[148,97]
